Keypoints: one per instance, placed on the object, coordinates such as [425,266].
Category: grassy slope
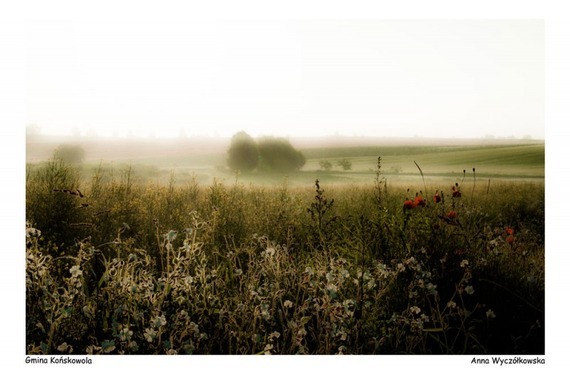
[519,160]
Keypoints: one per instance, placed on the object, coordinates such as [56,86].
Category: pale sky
[157,77]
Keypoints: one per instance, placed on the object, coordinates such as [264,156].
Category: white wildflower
[63,347]
[149,335]
[267,349]
[415,309]
[31,231]
[125,334]
[75,271]
[332,287]
[431,288]
[159,321]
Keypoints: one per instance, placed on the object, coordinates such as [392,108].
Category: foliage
[243,154]
[268,154]
[344,164]
[53,201]
[230,269]
[277,154]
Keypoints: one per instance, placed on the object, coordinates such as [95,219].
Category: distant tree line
[267,154]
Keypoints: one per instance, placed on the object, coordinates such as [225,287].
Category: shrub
[277,154]
[243,154]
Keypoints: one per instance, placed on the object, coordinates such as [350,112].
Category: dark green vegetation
[243,154]
[269,154]
[117,263]
[278,155]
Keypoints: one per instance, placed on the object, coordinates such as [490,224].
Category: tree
[277,154]
[71,154]
[325,165]
[345,164]
[243,154]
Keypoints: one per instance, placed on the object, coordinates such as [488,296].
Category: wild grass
[120,265]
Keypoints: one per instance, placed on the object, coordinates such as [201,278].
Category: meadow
[428,249]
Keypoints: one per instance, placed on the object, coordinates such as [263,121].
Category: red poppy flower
[509,231]
[437,197]
[510,239]
[456,193]
[408,204]
[450,218]
[419,201]
[452,214]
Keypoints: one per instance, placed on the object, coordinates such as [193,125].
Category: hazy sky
[447,78]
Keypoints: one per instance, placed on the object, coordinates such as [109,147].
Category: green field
[509,161]
[160,252]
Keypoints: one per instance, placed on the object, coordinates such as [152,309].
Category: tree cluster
[268,154]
